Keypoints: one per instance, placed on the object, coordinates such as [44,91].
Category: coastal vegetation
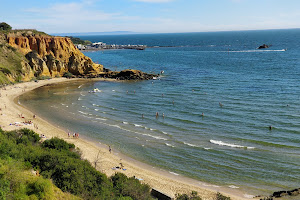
[54,169]
[59,172]
[76,40]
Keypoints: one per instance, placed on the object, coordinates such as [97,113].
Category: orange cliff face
[52,56]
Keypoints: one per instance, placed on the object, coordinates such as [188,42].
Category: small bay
[216,100]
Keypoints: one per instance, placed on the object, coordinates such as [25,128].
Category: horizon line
[133,32]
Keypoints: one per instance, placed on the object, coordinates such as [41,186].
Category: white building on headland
[98,44]
[81,47]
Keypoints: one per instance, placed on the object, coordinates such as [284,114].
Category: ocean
[216,100]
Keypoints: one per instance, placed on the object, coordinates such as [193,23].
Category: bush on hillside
[59,144]
[220,196]
[192,196]
[68,75]
[130,187]
[54,159]
[5,27]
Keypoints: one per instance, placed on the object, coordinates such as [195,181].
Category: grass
[10,61]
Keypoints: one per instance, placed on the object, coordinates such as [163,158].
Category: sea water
[229,114]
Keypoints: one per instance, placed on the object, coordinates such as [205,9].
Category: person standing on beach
[109,149]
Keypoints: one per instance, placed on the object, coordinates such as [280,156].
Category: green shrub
[5,27]
[68,75]
[21,151]
[131,187]
[219,196]
[59,144]
[12,48]
[32,136]
[5,71]
[40,188]
[43,77]
[192,196]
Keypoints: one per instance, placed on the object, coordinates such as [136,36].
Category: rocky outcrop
[283,193]
[264,46]
[28,54]
[51,56]
[129,74]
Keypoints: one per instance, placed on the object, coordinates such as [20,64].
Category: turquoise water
[230,145]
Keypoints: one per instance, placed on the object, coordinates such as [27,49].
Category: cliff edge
[29,54]
[42,55]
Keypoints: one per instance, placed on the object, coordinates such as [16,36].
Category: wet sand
[170,184]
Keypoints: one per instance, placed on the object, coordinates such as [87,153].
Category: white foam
[151,129]
[82,112]
[169,145]
[174,173]
[221,143]
[94,104]
[115,126]
[233,186]
[137,125]
[155,137]
[216,186]
[79,99]
[165,133]
[258,50]
[101,119]
[96,109]
[125,122]
[207,148]
[113,90]
[192,145]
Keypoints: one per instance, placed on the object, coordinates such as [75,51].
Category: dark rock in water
[280,194]
[264,46]
[129,75]
[294,192]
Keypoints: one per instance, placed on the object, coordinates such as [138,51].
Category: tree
[4,26]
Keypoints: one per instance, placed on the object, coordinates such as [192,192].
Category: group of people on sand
[75,135]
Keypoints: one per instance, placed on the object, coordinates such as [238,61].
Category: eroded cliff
[50,56]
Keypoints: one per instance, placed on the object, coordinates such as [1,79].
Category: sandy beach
[170,184]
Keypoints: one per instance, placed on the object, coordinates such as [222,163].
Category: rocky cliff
[50,56]
[29,54]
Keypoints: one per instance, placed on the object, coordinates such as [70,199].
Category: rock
[53,56]
[264,46]
[131,75]
[294,192]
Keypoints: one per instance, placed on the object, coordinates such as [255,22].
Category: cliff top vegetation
[76,40]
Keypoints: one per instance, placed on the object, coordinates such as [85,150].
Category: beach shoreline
[161,180]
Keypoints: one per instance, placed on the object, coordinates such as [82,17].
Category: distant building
[81,47]
[99,44]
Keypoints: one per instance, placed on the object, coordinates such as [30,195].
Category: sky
[150,16]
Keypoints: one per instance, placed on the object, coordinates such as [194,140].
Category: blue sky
[150,16]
